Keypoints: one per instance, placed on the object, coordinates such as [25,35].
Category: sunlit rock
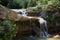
[56,36]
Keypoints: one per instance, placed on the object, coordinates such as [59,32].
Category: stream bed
[36,38]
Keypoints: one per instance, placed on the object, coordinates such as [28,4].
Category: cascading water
[43,28]
[43,24]
[21,12]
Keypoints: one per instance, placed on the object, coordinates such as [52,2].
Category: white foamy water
[43,28]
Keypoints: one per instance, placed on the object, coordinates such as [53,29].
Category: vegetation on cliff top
[52,8]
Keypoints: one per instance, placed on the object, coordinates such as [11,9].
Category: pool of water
[36,38]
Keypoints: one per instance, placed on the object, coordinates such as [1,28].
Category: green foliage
[4,2]
[44,4]
[51,19]
[18,3]
[47,4]
[7,30]
[26,3]
[13,5]
[35,5]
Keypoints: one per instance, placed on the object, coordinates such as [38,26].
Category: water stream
[43,25]
[43,28]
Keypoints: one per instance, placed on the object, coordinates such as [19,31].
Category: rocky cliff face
[24,23]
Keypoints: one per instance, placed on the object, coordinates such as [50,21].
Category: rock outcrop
[23,23]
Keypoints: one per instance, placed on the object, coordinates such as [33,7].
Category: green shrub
[7,30]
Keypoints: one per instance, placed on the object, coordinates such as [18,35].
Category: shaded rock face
[23,27]
[28,28]
[38,13]
[33,13]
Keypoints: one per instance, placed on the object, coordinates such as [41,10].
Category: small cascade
[43,24]
[43,28]
[21,12]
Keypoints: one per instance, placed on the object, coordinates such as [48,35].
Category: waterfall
[43,28]
[21,12]
[43,23]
